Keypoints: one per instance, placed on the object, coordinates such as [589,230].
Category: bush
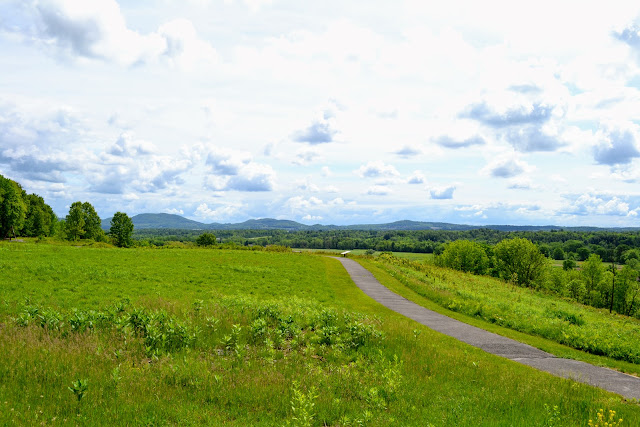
[206,239]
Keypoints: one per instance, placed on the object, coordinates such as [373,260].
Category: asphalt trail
[608,379]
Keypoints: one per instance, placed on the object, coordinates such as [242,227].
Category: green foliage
[79,388]
[121,230]
[13,209]
[83,222]
[74,222]
[302,407]
[464,255]
[521,309]
[519,260]
[206,239]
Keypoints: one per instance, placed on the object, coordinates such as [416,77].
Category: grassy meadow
[104,336]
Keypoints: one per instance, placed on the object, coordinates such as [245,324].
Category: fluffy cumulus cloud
[219,213]
[601,204]
[127,146]
[377,169]
[321,131]
[236,170]
[97,30]
[617,146]
[416,177]
[535,113]
[442,193]
[533,138]
[506,166]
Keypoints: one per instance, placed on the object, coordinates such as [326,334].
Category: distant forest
[556,244]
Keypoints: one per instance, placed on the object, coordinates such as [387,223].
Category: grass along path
[519,313]
[617,382]
[250,338]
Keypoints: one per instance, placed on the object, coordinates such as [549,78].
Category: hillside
[177,222]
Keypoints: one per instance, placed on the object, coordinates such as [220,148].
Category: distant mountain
[163,220]
[410,225]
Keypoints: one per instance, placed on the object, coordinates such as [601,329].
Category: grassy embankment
[555,325]
[106,336]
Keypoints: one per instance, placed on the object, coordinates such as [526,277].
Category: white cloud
[378,190]
[235,170]
[97,30]
[220,213]
[377,169]
[599,204]
[175,211]
[442,193]
[417,177]
[506,166]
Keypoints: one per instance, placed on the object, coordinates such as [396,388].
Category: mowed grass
[213,337]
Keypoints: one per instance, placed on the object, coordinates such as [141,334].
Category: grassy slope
[524,310]
[442,381]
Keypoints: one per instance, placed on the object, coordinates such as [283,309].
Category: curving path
[608,379]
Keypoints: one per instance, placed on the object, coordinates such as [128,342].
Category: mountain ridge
[173,221]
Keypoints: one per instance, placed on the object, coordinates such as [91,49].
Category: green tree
[121,229]
[40,219]
[592,271]
[558,254]
[13,208]
[74,222]
[206,239]
[464,255]
[92,223]
[519,260]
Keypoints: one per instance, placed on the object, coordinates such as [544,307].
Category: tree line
[519,261]
[27,215]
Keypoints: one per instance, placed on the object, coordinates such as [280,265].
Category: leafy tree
[592,271]
[464,255]
[583,253]
[74,225]
[92,223]
[12,207]
[121,229]
[558,254]
[85,222]
[206,239]
[519,260]
[568,264]
[40,219]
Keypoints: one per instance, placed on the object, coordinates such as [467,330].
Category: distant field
[103,336]
[409,255]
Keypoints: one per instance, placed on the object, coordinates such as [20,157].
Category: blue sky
[329,112]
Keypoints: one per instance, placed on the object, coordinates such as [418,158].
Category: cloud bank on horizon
[333,113]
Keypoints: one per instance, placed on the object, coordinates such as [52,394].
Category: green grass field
[103,336]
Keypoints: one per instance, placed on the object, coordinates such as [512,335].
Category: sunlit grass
[243,368]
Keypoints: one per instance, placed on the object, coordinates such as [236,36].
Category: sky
[332,112]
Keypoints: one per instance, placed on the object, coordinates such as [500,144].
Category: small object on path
[605,378]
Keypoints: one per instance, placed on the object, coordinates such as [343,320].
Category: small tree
[121,229]
[92,223]
[464,255]
[206,239]
[520,260]
[74,225]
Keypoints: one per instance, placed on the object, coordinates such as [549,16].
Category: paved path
[608,379]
